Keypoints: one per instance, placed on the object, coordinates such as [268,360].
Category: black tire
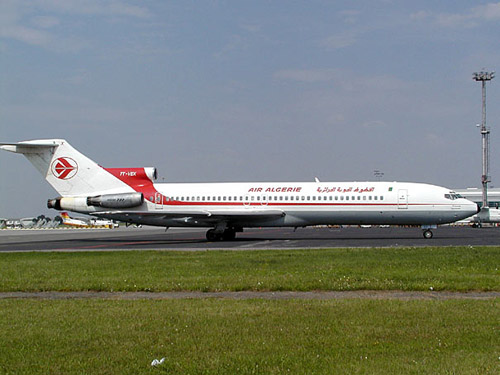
[213,236]
[428,234]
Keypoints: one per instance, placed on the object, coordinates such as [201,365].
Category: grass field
[224,336]
[449,268]
[208,336]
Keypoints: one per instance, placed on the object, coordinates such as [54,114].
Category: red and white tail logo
[64,168]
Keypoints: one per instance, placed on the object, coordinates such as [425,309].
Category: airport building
[476,195]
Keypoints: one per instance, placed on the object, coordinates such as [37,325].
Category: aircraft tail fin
[67,170]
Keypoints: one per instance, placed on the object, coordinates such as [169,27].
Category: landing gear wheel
[428,234]
[213,236]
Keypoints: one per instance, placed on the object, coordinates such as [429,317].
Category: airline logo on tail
[64,168]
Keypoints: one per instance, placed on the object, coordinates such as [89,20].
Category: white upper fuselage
[303,203]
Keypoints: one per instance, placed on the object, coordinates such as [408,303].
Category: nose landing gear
[428,234]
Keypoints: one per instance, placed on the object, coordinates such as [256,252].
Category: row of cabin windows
[279,198]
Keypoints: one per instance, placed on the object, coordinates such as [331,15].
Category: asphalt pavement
[151,238]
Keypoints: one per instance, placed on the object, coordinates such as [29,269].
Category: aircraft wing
[200,216]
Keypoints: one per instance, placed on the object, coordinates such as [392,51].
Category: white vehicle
[131,195]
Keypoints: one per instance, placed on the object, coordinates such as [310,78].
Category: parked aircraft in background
[79,223]
[132,196]
[84,223]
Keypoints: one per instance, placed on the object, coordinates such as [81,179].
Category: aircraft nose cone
[478,208]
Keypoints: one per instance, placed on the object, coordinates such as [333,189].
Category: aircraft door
[403,199]
[158,201]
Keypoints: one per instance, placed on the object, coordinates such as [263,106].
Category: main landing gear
[228,234]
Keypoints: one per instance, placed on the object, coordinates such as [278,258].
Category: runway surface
[150,238]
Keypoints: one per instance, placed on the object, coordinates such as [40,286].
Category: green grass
[208,336]
[449,268]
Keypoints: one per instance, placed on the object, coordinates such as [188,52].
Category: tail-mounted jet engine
[125,200]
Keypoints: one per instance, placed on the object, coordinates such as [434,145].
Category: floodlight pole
[483,77]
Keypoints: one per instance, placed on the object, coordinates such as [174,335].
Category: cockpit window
[452,195]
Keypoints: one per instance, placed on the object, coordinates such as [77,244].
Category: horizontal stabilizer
[29,147]
[68,171]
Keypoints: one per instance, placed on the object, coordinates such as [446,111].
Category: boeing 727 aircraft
[131,195]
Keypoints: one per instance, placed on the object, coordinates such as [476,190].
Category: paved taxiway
[276,238]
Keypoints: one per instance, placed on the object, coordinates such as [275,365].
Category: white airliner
[130,195]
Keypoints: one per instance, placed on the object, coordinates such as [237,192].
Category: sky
[210,91]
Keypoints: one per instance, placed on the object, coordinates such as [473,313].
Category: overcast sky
[249,90]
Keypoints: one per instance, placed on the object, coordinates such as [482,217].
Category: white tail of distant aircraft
[132,196]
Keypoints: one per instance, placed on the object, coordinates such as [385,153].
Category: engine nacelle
[126,200]
[151,173]
[78,204]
